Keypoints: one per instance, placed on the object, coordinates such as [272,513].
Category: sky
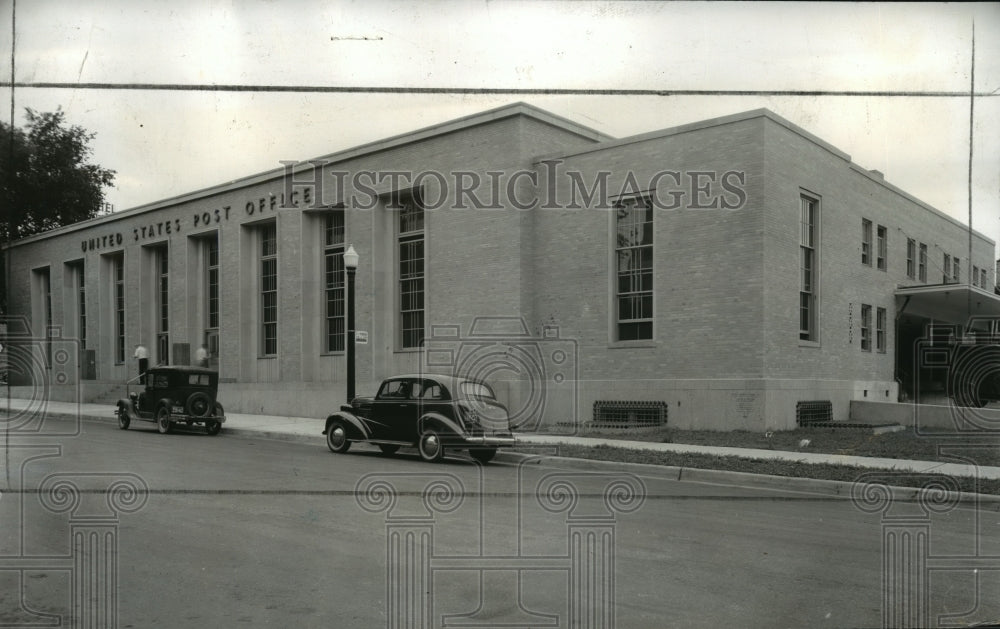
[165,143]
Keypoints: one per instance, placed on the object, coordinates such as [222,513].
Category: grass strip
[821,471]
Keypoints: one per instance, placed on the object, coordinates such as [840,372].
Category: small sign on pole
[361,337]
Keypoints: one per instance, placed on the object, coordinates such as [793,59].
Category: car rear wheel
[483,455]
[336,437]
[213,427]
[123,419]
[430,446]
[388,448]
[163,423]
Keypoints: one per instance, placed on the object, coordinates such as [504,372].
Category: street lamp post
[351,265]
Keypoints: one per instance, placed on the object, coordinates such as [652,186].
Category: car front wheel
[483,455]
[336,437]
[430,446]
[163,423]
[123,419]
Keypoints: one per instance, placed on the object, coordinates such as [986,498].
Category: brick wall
[726,351]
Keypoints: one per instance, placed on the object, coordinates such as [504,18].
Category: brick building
[721,272]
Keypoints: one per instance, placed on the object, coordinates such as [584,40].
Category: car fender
[439,422]
[362,431]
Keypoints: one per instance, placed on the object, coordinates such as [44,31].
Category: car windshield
[477,389]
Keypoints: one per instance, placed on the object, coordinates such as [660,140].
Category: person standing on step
[142,355]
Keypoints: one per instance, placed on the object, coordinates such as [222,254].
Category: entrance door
[212,344]
[162,349]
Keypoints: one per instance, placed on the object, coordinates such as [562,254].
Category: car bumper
[490,441]
[196,420]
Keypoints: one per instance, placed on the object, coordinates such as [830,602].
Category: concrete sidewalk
[309,429]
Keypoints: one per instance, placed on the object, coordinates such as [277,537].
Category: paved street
[252,532]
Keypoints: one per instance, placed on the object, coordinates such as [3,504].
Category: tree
[48,180]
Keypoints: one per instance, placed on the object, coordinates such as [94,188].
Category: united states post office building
[717,275]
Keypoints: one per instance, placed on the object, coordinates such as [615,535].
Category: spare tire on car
[199,404]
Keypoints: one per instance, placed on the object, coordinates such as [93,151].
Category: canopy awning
[948,303]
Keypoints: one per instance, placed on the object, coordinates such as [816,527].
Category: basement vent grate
[810,413]
[631,414]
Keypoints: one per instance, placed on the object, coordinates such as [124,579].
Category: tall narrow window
[212,283]
[162,261]
[922,263]
[866,328]
[880,329]
[975,275]
[911,258]
[211,253]
[946,269]
[866,242]
[956,270]
[333,259]
[118,264]
[807,265]
[634,252]
[43,279]
[269,290]
[882,236]
[982,278]
[411,270]
[81,303]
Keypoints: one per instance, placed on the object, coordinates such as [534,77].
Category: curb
[835,489]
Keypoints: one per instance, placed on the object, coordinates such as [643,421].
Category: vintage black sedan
[430,412]
[174,395]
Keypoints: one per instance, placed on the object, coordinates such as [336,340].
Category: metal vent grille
[808,413]
[635,414]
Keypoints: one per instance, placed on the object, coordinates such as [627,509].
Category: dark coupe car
[175,395]
[432,413]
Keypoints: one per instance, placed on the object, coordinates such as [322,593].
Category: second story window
[881,248]
[866,242]
[956,270]
[911,258]
[634,264]
[922,263]
[946,269]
